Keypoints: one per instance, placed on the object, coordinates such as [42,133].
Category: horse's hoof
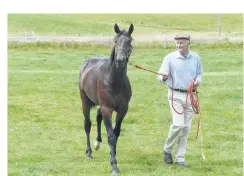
[96,145]
[115,171]
[89,157]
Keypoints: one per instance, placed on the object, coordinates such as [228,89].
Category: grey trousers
[181,125]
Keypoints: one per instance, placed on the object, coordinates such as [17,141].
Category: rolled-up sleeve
[163,69]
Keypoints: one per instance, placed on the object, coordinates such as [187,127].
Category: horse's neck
[117,76]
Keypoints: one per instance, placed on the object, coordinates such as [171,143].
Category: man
[185,67]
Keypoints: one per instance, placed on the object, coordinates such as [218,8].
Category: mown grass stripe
[77,71]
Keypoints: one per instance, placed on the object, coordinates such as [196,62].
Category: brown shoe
[168,158]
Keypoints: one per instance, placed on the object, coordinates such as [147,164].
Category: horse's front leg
[107,119]
[119,119]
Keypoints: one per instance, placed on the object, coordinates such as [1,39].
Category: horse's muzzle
[120,63]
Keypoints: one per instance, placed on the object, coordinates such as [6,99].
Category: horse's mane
[122,32]
[112,55]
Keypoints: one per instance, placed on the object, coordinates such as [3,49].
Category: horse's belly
[91,91]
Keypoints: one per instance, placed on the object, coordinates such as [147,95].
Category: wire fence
[165,39]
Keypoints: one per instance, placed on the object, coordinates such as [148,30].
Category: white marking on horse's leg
[96,145]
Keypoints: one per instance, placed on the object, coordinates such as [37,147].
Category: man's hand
[195,84]
[165,76]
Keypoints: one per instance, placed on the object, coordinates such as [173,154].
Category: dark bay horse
[104,82]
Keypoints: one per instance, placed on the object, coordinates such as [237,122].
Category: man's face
[182,45]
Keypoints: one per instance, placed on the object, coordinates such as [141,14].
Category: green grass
[45,123]
[102,24]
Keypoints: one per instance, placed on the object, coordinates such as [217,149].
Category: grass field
[101,24]
[45,123]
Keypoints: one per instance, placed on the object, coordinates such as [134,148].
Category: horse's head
[123,47]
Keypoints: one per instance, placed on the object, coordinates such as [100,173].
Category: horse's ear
[131,29]
[116,28]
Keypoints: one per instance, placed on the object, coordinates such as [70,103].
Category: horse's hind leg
[86,106]
[99,121]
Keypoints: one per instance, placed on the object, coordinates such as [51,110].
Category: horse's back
[91,73]
[91,64]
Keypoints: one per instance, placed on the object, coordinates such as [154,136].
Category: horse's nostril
[119,61]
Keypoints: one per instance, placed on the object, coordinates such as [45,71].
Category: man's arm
[164,69]
[198,80]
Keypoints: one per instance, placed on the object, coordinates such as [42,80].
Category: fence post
[219,25]
[25,34]
[165,42]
